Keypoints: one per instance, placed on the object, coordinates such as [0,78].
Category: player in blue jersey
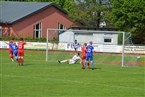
[89,55]
[14,49]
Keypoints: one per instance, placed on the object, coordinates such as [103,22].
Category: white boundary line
[71,81]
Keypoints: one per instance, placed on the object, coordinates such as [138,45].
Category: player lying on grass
[13,49]
[73,60]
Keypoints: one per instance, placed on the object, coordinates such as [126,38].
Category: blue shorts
[15,52]
[75,49]
[89,58]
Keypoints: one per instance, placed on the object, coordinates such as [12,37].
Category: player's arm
[80,60]
[24,42]
[16,46]
[93,51]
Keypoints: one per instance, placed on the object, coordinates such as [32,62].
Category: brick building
[31,19]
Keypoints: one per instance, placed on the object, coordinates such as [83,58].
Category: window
[61,26]
[108,40]
[37,30]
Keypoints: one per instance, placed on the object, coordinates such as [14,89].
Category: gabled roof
[11,12]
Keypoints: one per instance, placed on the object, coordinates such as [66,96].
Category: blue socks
[92,64]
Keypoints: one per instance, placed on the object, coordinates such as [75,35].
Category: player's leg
[86,61]
[19,58]
[88,64]
[22,58]
[71,61]
[62,61]
[92,63]
[16,55]
[11,55]
[75,50]
[83,60]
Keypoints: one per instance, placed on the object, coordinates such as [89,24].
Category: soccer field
[40,79]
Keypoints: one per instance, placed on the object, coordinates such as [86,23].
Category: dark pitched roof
[11,12]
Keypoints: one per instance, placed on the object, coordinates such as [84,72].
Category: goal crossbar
[85,31]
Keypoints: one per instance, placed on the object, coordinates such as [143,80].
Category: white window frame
[59,26]
[108,36]
[39,30]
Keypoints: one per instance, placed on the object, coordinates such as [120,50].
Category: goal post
[123,48]
[114,36]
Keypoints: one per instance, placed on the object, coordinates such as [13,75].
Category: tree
[65,4]
[129,15]
[90,13]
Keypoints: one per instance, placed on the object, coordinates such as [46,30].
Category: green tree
[65,4]
[90,12]
[129,15]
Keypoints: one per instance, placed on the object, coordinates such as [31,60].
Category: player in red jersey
[83,48]
[10,50]
[21,44]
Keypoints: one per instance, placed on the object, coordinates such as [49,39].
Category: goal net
[109,46]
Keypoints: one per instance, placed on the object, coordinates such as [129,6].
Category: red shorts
[20,53]
[83,57]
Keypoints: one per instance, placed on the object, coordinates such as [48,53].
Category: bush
[31,39]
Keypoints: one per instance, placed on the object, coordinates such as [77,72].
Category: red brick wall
[49,18]
[5,30]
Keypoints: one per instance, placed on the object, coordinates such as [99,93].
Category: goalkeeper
[73,60]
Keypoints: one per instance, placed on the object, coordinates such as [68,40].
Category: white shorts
[71,61]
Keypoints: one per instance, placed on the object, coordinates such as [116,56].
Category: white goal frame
[117,32]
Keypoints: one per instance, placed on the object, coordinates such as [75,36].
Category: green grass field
[40,79]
